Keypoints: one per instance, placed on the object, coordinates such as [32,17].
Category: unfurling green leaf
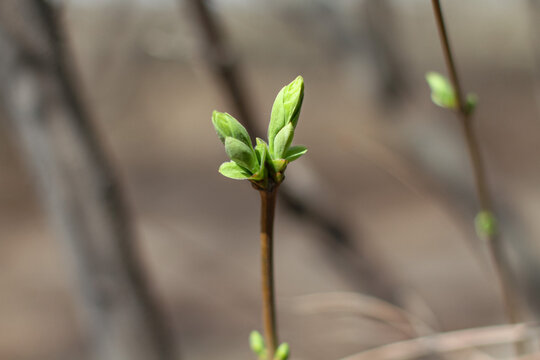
[286,108]
[261,150]
[256,343]
[486,224]
[442,91]
[227,126]
[283,141]
[282,352]
[241,154]
[294,152]
[293,97]
[232,170]
[277,119]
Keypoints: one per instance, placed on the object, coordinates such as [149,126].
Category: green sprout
[443,94]
[282,352]
[265,163]
[264,166]
[256,343]
[485,224]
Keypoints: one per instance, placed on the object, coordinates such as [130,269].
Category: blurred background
[381,205]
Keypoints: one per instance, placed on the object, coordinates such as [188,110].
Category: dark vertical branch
[79,187]
[382,43]
[223,63]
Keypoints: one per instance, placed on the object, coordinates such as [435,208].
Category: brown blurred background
[383,161]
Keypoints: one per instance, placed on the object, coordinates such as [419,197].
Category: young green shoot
[264,166]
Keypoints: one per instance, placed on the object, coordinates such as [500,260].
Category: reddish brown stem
[268,204]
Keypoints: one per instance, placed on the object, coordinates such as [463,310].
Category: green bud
[442,91]
[486,224]
[227,126]
[241,154]
[471,102]
[232,170]
[256,343]
[294,152]
[283,141]
[282,352]
[286,108]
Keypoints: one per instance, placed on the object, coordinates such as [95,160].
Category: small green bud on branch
[256,343]
[444,95]
[486,225]
[282,352]
[264,166]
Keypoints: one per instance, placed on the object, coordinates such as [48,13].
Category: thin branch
[366,306]
[445,342]
[503,272]
[373,308]
[268,205]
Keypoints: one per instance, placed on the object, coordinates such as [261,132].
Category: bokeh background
[384,162]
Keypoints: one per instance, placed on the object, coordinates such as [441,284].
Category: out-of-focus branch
[366,306]
[349,31]
[380,22]
[223,63]
[338,241]
[77,184]
[510,292]
[445,342]
[376,309]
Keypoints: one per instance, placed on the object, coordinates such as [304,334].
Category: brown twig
[494,242]
[268,205]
